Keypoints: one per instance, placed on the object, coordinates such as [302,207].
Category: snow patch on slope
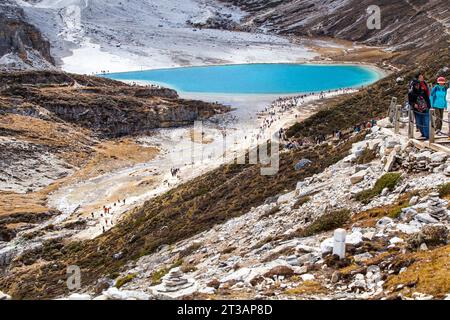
[116,35]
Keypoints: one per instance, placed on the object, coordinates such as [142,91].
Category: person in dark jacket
[419,101]
[423,84]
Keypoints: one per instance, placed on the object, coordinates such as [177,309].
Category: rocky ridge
[347,19]
[22,46]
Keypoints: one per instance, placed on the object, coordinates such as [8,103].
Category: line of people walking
[106,218]
[421,99]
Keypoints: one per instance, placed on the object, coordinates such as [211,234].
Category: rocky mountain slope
[22,45]
[282,249]
[134,34]
[347,19]
[394,208]
[178,244]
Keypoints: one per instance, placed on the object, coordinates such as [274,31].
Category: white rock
[447,171]
[422,296]
[307,277]
[306,248]
[390,161]
[384,222]
[407,228]
[4,296]
[358,177]
[363,257]
[80,296]
[354,238]
[115,294]
[425,218]
[238,275]
[286,198]
[373,269]
[438,157]
[368,235]
[349,159]
[396,240]
[300,270]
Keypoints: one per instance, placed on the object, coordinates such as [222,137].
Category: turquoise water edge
[255,78]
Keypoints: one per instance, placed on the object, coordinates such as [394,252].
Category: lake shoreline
[278,79]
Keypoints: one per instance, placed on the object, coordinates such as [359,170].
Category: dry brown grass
[430,273]
[112,155]
[308,288]
[71,143]
[370,217]
[14,203]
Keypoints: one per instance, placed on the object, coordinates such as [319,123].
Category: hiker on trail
[423,84]
[420,104]
[92,214]
[439,102]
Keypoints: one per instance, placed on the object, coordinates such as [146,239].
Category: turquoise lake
[255,78]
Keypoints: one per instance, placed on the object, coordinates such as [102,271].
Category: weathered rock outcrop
[21,40]
[108,107]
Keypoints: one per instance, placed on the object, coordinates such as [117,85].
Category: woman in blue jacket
[438,99]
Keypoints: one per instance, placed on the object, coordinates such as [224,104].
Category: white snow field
[91,36]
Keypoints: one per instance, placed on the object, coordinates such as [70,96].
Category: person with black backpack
[420,104]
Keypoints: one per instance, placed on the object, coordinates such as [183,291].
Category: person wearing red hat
[438,100]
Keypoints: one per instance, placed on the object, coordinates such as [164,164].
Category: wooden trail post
[397,119]
[392,109]
[432,126]
[411,124]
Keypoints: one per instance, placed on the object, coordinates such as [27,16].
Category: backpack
[422,105]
